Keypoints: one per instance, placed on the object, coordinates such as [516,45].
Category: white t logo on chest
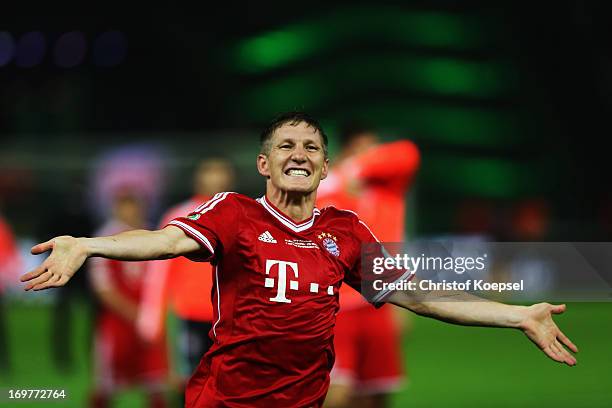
[281,291]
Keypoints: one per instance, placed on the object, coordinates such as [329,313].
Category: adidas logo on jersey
[267,237]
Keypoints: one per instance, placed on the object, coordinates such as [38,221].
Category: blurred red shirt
[374,185]
[10,259]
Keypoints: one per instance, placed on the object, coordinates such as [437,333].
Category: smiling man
[278,265]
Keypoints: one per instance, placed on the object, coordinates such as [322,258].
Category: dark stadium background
[510,104]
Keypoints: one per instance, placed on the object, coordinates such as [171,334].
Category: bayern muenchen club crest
[330,243]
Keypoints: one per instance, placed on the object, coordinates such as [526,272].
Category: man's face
[296,161]
[129,210]
[213,176]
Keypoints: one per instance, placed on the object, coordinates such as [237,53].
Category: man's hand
[539,326]
[67,256]
[466,309]
[69,253]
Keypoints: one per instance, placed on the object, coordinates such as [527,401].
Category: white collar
[286,221]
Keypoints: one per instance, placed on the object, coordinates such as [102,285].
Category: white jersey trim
[286,221]
[218,301]
[201,206]
[196,234]
[210,204]
[369,230]
[406,276]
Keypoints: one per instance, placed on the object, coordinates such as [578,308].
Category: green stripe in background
[304,40]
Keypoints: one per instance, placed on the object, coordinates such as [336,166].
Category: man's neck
[298,206]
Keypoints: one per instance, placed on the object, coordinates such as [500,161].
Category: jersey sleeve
[213,225]
[362,277]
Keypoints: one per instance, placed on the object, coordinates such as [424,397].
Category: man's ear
[324,169]
[262,165]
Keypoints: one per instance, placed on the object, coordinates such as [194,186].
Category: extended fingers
[566,357]
[34,273]
[54,281]
[50,283]
[558,353]
[552,353]
[565,340]
[43,277]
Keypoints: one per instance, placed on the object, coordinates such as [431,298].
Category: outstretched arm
[535,321]
[69,253]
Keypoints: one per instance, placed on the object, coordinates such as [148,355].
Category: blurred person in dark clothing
[71,215]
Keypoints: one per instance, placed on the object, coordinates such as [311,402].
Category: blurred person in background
[372,180]
[10,266]
[122,357]
[530,220]
[184,284]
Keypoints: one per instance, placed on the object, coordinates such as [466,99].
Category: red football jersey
[275,298]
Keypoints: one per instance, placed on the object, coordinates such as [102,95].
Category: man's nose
[299,155]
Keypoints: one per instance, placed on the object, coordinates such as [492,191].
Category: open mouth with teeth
[297,172]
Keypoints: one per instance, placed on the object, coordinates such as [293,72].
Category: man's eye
[285,146]
[312,148]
